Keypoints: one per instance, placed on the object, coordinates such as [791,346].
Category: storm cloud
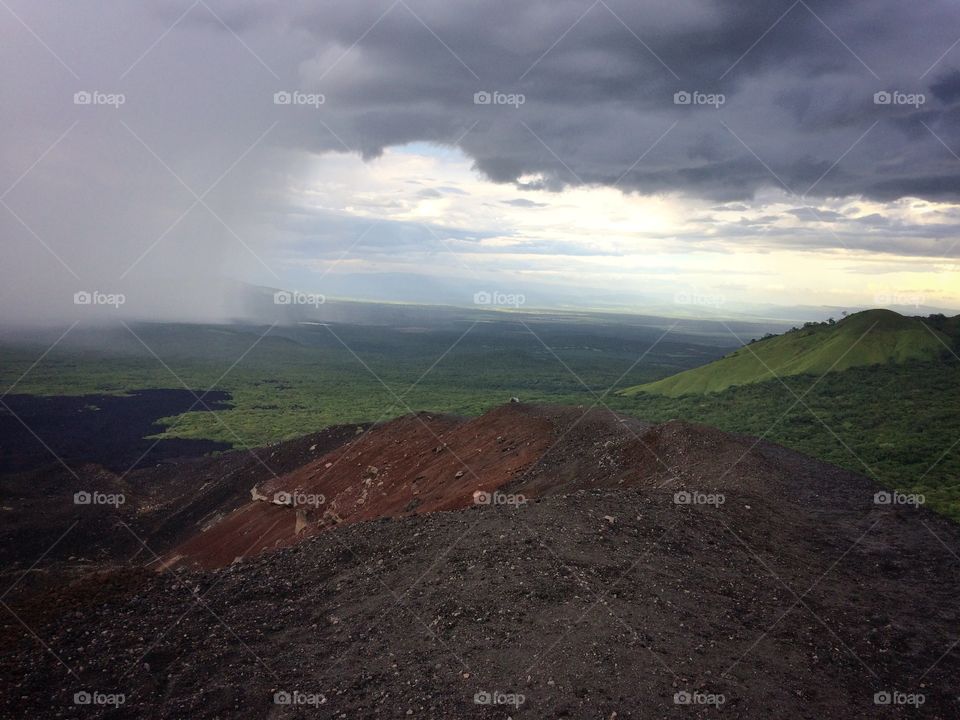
[821,98]
[138,135]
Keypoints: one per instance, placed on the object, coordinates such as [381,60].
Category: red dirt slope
[426,463]
[414,464]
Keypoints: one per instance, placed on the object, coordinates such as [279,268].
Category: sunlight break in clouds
[831,252]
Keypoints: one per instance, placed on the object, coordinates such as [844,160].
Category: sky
[632,154]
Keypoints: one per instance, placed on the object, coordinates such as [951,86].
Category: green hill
[871,337]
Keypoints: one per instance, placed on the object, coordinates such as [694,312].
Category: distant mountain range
[428,290]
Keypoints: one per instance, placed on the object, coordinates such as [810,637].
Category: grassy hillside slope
[871,337]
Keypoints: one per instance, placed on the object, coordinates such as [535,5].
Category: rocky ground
[781,590]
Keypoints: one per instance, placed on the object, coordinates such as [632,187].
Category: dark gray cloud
[599,88]
[598,84]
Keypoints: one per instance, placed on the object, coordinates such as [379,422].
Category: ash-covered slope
[772,585]
[594,604]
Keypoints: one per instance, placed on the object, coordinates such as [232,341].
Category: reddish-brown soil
[415,464]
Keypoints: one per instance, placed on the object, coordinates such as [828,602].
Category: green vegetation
[899,424]
[872,337]
[296,380]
